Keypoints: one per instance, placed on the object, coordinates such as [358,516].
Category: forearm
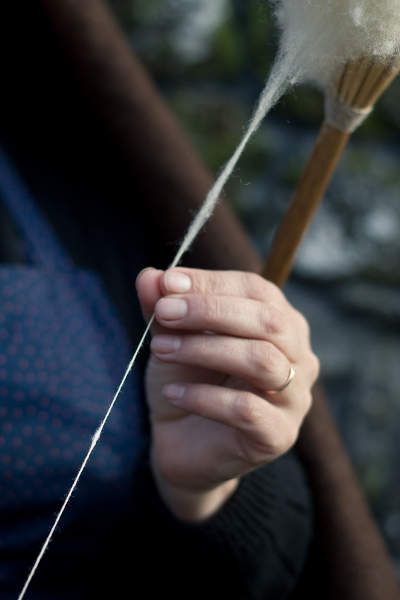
[194,506]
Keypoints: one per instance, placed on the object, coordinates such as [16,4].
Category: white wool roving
[325,34]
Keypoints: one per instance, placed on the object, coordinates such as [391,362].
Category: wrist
[194,505]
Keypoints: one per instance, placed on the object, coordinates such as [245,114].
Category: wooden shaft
[312,187]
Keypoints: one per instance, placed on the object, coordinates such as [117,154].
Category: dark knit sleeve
[254,548]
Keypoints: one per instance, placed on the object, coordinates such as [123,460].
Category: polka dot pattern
[55,393]
[62,355]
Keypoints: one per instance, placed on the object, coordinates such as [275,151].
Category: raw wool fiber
[326,34]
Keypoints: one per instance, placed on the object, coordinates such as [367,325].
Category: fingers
[148,286]
[259,363]
[235,305]
[268,432]
[229,302]
[223,283]
[239,317]
[152,284]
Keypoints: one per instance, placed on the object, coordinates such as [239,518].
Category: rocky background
[210,59]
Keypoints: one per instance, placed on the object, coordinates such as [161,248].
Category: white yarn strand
[277,84]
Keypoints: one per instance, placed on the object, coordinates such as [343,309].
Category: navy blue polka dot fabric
[62,355]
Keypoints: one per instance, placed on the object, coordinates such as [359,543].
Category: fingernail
[174,392]
[177,282]
[138,276]
[163,344]
[171,308]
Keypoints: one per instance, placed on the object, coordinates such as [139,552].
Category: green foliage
[227,52]
[260,37]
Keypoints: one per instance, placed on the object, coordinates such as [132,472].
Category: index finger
[223,283]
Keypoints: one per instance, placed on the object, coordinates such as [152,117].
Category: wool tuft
[325,34]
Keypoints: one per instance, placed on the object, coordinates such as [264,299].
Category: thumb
[148,287]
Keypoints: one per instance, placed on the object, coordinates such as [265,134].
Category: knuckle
[304,324]
[253,455]
[251,281]
[304,403]
[259,287]
[274,291]
[275,442]
[199,345]
[203,282]
[300,319]
[272,320]
[259,358]
[193,346]
[291,437]
[245,409]
[308,401]
[210,309]
[256,285]
[284,440]
[315,367]
[270,358]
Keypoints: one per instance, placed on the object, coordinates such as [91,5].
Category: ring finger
[258,362]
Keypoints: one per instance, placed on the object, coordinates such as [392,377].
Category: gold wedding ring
[290,377]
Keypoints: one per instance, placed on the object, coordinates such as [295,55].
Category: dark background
[210,59]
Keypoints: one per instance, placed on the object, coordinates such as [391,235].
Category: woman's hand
[223,344]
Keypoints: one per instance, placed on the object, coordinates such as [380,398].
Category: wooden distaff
[355,562]
[359,86]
